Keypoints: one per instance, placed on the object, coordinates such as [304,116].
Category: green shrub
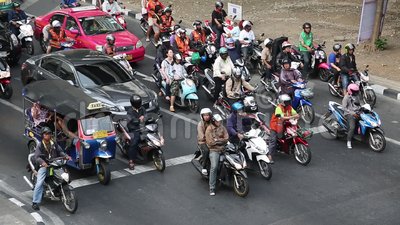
[381,43]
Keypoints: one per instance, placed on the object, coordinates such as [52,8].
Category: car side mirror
[72,83]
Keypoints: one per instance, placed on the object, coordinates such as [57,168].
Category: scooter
[245,72]
[26,35]
[367,129]
[150,143]
[301,102]
[121,58]
[231,169]
[56,185]
[6,90]
[320,66]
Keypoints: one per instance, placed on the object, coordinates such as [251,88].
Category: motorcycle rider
[205,116]
[136,115]
[69,3]
[246,39]
[288,77]
[15,15]
[334,59]
[178,73]
[233,51]
[167,20]
[306,45]
[174,34]
[222,68]
[182,42]
[283,111]
[237,123]
[151,9]
[45,150]
[157,23]
[348,67]
[234,86]
[57,35]
[351,105]
[286,53]
[217,19]
[198,35]
[111,7]
[266,59]
[166,72]
[109,47]
[216,137]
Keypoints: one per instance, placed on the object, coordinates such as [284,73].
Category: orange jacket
[151,6]
[166,22]
[276,124]
[199,36]
[56,39]
[183,45]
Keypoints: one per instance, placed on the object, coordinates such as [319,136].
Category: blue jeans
[247,51]
[307,62]
[38,191]
[346,80]
[214,160]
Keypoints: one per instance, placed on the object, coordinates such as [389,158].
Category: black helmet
[285,61]
[337,47]
[350,46]
[219,4]
[136,101]
[45,130]
[158,8]
[306,25]
[196,23]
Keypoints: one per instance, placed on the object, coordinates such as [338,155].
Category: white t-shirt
[111,8]
[249,35]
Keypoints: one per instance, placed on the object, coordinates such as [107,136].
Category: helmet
[286,44]
[56,23]
[167,9]
[223,50]
[284,98]
[205,111]
[250,105]
[217,117]
[203,58]
[306,25]
[196,23]
[353,88]
[219,4]
[180,31]
[267,42]
[110,37]
[237,106]
[136,101]
[337,47]
[230,43]
[45,130]
[16,5]
[350,46]
[285,61]
[176,27]
[157,8]
[246,23]
[237,72]
[177,56]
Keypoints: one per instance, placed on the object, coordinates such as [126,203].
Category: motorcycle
[121,58]
[193,70]
[56,185]
[231,169]
[150,143]
[320,65]
[26,35]
[245,72]
[6,90]
[271,88]
[301,102]
[224,107]
[368,127]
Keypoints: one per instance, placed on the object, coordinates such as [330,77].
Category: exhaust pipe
[206,89]
[28,182]
[333,88]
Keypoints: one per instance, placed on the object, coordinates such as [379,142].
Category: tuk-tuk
[67,110]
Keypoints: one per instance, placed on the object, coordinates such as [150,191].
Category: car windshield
[101,74]
[100,25]
[92,125]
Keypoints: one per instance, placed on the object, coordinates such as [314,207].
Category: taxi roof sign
[95,105]
[84,8]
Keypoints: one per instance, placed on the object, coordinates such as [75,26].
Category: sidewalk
[15,212]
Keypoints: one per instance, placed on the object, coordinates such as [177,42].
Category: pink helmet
[352,88]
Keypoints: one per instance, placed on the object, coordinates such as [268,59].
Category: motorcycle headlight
[322,54]
[103,145]
[99,48]
[139,44]
[189,82]
[14,39]
[65,176]
[154,140]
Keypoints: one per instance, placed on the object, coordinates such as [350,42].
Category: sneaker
[349,145]
[147,39]
[204,172]
[212,192]
[35,206]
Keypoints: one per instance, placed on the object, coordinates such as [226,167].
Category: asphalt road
[339,186]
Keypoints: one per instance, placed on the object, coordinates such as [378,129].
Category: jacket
[221,65]
[181,46]
[201,132]
[235,86]
[166,23]
[348,64]
[285,79]
[151,6]
[109,49]
[134,122]
[54,152]
[14,15]
[282,111]
[216,134]
[56,39]
[350,104]
[197,36]
[237,124]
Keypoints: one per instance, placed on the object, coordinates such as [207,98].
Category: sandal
[172,109]
[131,166]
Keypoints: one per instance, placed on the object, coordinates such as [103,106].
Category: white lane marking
[19,109]
[37,217]
[17,202]
[392,141]
[179,116]
[150,57]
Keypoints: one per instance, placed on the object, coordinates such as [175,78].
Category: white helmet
[284,98]
[56,23]
[205,111]
[267,41]
[286,44]
[246,23]
[217,117]
[237,72]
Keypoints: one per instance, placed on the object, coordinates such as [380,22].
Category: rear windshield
[101,74]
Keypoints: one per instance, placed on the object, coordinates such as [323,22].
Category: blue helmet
[223,50]
[203,58]
[237,106]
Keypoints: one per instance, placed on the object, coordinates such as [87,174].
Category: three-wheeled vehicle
[82,127]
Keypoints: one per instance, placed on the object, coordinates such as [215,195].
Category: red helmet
[352,88]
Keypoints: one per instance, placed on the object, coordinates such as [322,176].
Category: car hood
[122,38]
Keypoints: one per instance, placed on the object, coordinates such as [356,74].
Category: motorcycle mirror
[262,35]
[234,17]
[180,21]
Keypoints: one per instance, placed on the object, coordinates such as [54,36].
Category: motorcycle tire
[159,160]
[380,141]
[43,45]
[308,115]
[69,199]
[324,74]
[123,148]
[30,49]
[104,174]
[369,97]
[332,82]
[8,92]
[302,154]
[265,169]
[211,88]
[241,185]
[194,106]
[260,69]
[31,147]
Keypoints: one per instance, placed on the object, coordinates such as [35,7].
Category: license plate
[100,134]
[128,57]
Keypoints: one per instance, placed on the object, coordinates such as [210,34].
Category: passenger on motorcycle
[157,23]
[178,73]
[109,47]
[151,10]
[246,39]
[45,150]
[111,7]
[237,123]
[348,67]
[136,115]
[283,111]
[198,35]
[217,19]
[166,72]
[288,77]
[216,138]
[351,105]
[222,68]
[306,45]
[205,116]
[286,53]
[266,58]
[182,42]
[174,34]
[235,32]
[167,20]
[333,61]
[234,86]
[16,15]
[233,50]
[57,35]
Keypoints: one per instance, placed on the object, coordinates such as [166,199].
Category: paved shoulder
[13,211]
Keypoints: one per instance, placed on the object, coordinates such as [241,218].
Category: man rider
[109,47]
[348,67]
[157,23]
[266,58]
[45,150]
[237,123]
[182,42]
[14,16]
[178,73]
[111,7]
[234,86]
[217,18]
[246,38]
[167,20]
[283,111]
[69,3]
[288,77]
[198,35]
[233,51]
[57,35]
[205,116]
[351,105]
[222,69]
[173,35]
[286,53]
[136,115]
[151,7]
[216,137]
[306,45]
[333,61]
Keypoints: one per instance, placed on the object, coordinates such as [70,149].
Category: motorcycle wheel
[32,147]
[30,49]
[69,199]
[240,185]
[260,69]
[104,174]
[379,139]
[196,79]
[369,97]
[308,115]
[8,91]
[43,45]
[265,169]
[303,154]
[194,106]
[331,82]
[324,74]
[123,149]
[159,160]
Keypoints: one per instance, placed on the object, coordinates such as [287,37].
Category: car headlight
[14,39]
[86,145]
[99,48]
[139,44]
[103,145]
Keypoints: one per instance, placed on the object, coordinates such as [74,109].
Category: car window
[100,25]
[50,64]
[101,74]
[71,24]
[58,17]
[66,72]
